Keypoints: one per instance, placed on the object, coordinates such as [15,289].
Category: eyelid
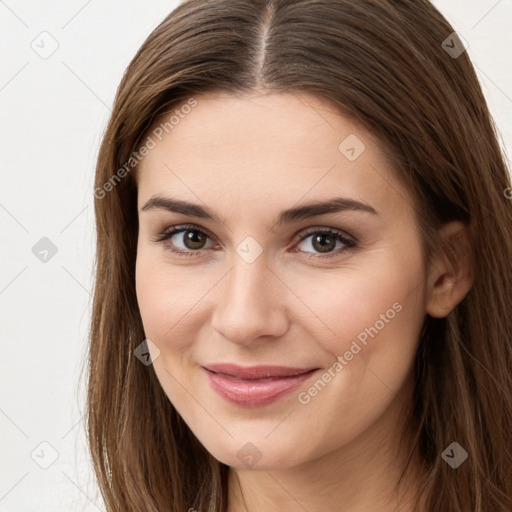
[350,241]
[179,228]
[299,236]
[304,233]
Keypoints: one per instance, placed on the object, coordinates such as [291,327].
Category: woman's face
[267,276]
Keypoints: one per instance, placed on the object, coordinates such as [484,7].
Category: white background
[53,113]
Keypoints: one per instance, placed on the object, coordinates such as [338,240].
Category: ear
[448,283]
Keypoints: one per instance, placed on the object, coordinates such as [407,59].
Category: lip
[255,386]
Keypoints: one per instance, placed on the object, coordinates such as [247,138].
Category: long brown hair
[398,68]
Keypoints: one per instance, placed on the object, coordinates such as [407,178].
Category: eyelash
[339,235]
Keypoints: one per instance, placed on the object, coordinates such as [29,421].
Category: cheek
[378,307]
[170,300]
[165,304]
[157,296]
[377,318]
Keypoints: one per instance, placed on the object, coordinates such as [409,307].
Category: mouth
[257,385]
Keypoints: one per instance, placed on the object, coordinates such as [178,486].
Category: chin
[258,453]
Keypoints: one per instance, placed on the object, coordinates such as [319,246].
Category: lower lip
[255,393]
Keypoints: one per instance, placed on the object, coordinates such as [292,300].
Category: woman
[304,271]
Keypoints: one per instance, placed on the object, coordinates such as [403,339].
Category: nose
[250,304]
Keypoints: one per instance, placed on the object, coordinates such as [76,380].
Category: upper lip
[256,372]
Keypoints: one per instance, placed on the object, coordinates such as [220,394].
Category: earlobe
[450,279]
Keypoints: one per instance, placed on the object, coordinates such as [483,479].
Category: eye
[192,239]
[325,241]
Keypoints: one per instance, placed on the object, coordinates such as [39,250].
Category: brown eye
[324,242]
[184,240]
[194,239]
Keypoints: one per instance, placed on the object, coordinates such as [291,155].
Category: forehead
[254,150]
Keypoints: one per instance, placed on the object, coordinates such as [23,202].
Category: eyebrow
[337,204]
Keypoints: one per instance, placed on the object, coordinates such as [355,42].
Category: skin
[247,158]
